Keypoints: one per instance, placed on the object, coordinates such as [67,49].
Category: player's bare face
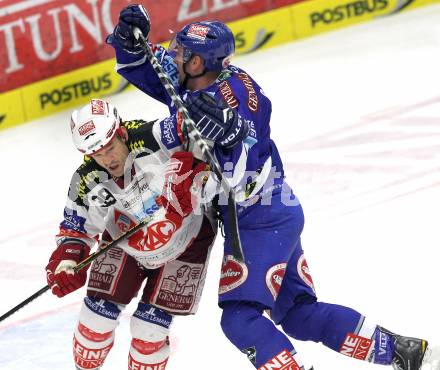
[113,157]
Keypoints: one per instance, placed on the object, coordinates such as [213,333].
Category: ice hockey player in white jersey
[122,181]
[231,111]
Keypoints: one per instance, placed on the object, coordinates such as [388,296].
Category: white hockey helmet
[94,126]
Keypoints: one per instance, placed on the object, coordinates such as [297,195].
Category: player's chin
[116,171]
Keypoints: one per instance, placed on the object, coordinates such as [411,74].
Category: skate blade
[431,360]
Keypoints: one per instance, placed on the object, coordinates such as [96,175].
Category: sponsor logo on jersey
[304,272]
[252,95]
[149,206]
[228,94]
[151,210]
[274,278]
[356,346]
[103,198]
[106,270]
[85,183]
[224,75]
[347,11]
[178,289]
[155,236]
[197,31]
[137,146]
[282,361]
[133,125]
[233,274]
[168,133]
[123,222]
[72,221]
[86,128]
[98,107]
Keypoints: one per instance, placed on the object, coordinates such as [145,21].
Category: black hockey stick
[194,133]
[77,268]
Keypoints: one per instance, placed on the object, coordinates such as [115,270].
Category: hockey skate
[413,353]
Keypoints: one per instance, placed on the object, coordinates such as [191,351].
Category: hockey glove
[60,275]
[131,16]
[182,187]
[216,121]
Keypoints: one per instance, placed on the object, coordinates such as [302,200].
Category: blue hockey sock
[252,333]
[322,322]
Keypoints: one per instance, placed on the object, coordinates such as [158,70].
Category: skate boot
[408,352]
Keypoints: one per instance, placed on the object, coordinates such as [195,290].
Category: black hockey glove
[131,16]
[216,121]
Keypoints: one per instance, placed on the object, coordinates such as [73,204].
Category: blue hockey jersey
[254,167]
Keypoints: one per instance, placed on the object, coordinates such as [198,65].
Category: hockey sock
[256,336]
[94,334]
[340,328]
[149,348]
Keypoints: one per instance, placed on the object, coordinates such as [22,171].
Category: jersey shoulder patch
[88,175]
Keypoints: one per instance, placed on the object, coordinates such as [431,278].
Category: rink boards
[261,31]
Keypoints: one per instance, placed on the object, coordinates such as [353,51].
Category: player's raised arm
[131,60]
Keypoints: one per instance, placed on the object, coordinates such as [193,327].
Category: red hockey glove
[182,186]
[60,275]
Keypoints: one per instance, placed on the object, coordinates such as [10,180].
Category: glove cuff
[71,250]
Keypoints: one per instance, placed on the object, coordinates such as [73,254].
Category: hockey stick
[77,268]
[194,133]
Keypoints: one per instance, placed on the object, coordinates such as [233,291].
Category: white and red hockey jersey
[97,202]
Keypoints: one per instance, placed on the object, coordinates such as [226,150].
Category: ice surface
[356,115]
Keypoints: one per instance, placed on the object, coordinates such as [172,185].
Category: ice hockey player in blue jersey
[232,113]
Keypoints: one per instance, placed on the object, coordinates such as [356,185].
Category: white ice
[356,115]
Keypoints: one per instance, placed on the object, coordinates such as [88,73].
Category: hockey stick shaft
[87,261]
[194,133]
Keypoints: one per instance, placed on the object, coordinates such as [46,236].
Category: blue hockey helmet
[212,40]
